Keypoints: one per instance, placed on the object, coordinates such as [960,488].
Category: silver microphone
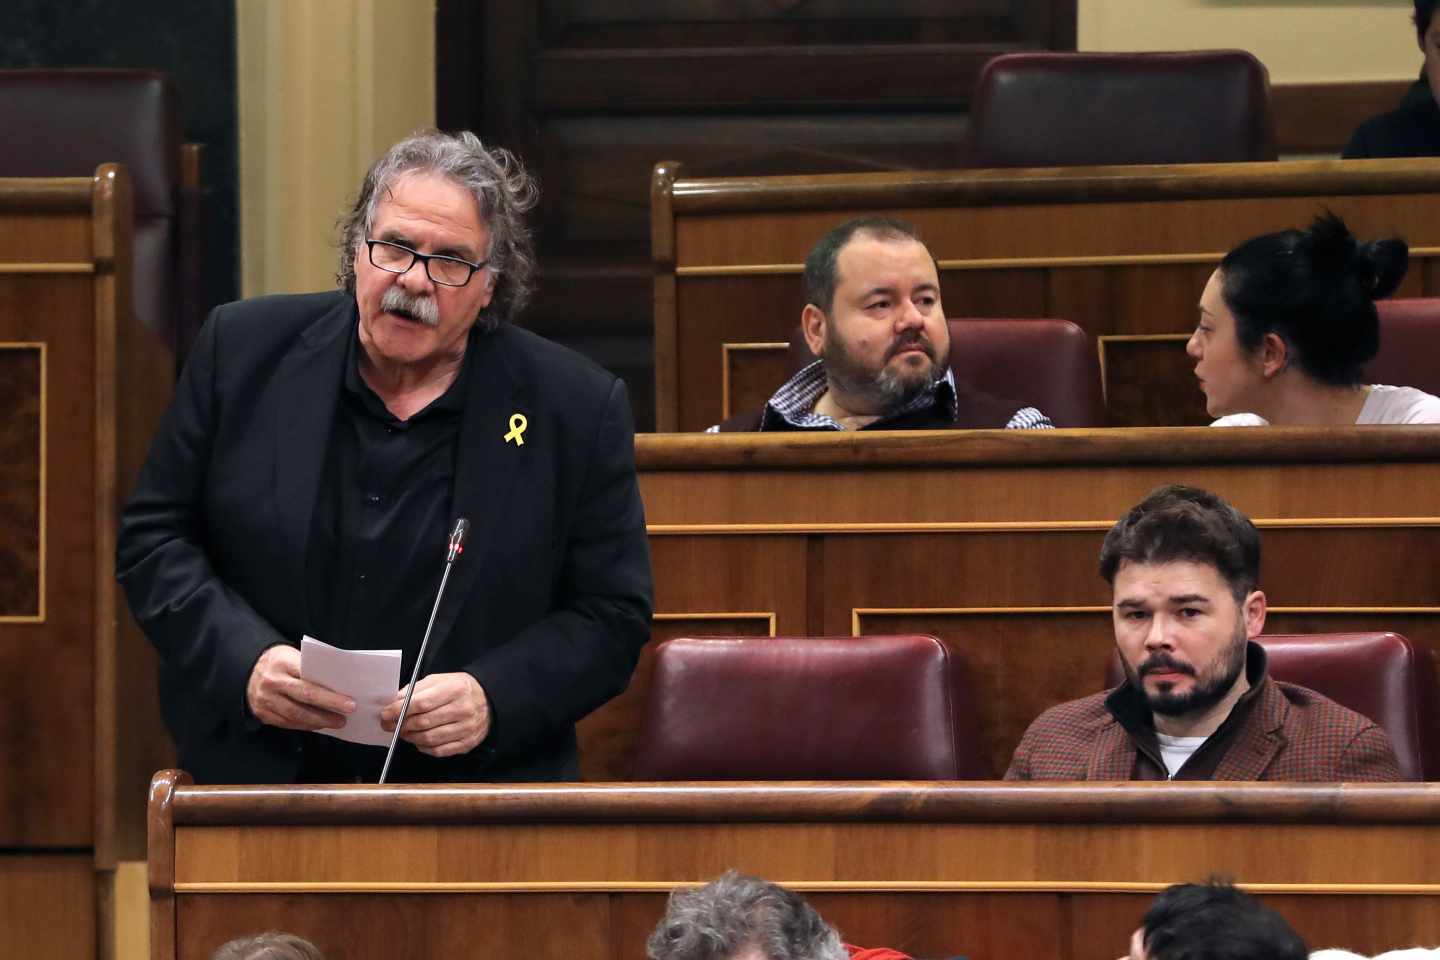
[453,549]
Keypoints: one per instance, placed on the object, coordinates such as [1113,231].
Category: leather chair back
[68,122]
[1052,365]
[808,708]
[1085,109]
[1409,344]
[1383,676]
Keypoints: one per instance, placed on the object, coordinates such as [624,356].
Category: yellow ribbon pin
[518,423]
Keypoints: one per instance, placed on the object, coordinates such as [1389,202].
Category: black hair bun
[1378,267]
[1332,245]
[1381,265]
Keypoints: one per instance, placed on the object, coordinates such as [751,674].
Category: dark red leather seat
[1383,676]
[1409,344]
[1085,109]
[1050,364]
[65,123]
[808,708]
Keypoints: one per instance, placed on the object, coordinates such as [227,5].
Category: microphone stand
[452,553]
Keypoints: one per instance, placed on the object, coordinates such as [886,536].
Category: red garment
[876,953]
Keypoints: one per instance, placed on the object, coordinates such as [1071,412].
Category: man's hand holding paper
[370,678]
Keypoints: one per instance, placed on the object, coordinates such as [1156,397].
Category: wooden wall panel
[1369,925]
[86,396]
[48,906]
[44,802]
[1131,367]
[1020,664]
[359,927]
[985,926]
[22,368]
[752,373]
[993,870]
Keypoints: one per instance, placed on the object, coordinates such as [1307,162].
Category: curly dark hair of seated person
[1424,10]
[1315,289]
[503,191]
[1216,921]
[735,912]
[273,945]
[1176,523]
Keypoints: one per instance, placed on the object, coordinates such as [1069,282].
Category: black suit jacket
[548,608]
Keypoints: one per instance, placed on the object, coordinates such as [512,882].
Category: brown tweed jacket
[1293,733]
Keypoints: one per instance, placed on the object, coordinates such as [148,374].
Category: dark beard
[886,390]
[1207,691]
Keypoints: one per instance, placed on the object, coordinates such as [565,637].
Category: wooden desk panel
[47,905]
[84,383]
[991,870]
[1122,251]
[989,540]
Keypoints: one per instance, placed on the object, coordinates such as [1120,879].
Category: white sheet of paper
[370,677]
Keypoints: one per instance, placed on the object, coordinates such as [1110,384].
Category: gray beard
[882,392]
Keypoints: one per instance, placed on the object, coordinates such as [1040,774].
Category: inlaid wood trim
[1005,526]
[41,349]
[667,335]
[1149,447]
[1002,263]
[767,615]
[1104,340]
[907,190]
[1050,610]
[725,349]
[46,268]
[1405,805]
[805,886]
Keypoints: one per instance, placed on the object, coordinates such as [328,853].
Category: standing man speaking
[310,468]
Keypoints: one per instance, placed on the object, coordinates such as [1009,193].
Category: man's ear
[1255,607]
[812,324]
[1274,355]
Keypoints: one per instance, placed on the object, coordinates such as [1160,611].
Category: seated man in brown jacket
[1197,703]
[873,316]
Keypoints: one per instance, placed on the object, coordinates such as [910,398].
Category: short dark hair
[269,946]
[1216,921]
[735,911]
[1180,523]
[1424,10]
[821,273]
[1316,289]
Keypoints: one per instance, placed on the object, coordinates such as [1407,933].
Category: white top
[1383,405]
[1176,750]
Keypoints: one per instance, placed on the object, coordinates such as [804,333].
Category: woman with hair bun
[1287,324]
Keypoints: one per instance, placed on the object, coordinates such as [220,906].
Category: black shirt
[377,541]
[1411,131]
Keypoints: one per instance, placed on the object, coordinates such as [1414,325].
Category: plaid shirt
[1289,732]
[794,404]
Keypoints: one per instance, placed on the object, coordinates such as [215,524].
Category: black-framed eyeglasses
[446,271]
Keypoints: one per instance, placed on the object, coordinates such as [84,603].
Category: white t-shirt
[1383,405]
[1176,750]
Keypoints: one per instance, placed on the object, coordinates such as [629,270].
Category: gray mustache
[421,309]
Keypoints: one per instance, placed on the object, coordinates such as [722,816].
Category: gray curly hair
[269,946]
[735,911]
[501,187]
